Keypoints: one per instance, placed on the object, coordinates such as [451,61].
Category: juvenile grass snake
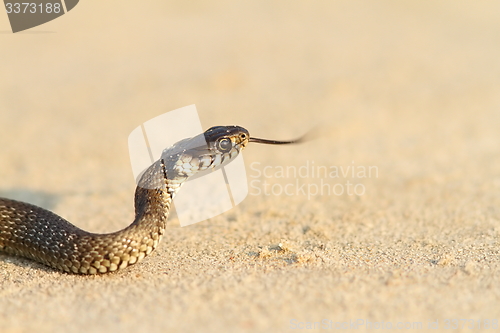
[38,234]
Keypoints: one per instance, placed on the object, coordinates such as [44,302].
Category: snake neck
[154,194]
[153,199]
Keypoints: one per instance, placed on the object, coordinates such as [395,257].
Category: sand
[409,92]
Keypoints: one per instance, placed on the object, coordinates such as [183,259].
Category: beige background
[412,88]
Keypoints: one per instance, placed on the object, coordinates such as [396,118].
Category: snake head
[226,140]
[205,152]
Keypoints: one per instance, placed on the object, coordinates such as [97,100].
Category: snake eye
[224,145]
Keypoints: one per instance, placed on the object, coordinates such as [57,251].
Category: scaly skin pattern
[35,233]
[41,235]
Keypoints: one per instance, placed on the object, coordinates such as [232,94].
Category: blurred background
[410,87]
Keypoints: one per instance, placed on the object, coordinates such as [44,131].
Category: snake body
[35,233]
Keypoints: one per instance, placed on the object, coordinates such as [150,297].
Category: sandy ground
[410,89]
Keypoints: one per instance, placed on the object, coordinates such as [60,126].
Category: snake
[38,234]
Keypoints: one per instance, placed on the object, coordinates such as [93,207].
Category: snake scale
[38,234]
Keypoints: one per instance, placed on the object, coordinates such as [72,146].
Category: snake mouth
[275,142]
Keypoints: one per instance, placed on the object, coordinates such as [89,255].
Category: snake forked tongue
[275,142]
